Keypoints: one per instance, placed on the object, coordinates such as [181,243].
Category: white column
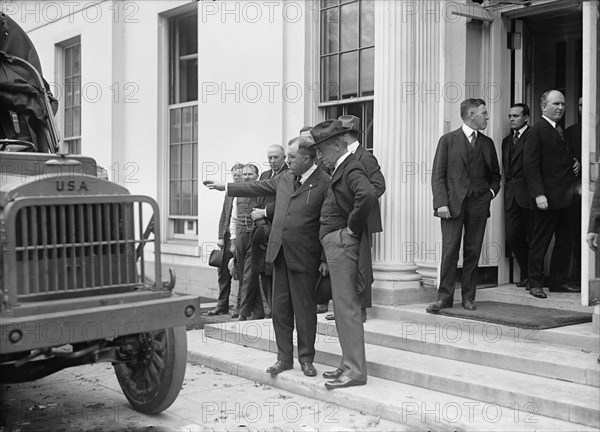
[407,124]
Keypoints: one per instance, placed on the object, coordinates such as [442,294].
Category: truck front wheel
[151,382]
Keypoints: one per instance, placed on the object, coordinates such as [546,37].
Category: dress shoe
[565,288]
[322,308]
[269,315]
[343,382]
[218,311]
[468,305]
[234,315]
[258,317]
[279,367]
[242,318]
[437,307]
[308,369]
[330,317]
[335,374]
[363,312]
[523,283]
[537,292]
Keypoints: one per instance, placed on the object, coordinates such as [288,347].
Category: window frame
[66,144]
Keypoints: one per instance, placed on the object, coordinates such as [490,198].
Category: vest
[478,183]
[244,209]
[332,218]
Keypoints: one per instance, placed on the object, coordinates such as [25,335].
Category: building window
[183,126]
[347,54]
[71,52]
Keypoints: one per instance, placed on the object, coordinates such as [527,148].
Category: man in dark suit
[550,171]
[263,216]
[465,178]
[346,239]
[224,242]
[516,197]
[376,178]
[294,249]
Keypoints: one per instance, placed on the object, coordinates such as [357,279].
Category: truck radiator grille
[77,247]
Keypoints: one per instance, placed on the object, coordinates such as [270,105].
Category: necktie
[297,183]
[515,140]
[472,139]
[561,132]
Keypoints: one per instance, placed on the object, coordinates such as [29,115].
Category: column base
[396,284]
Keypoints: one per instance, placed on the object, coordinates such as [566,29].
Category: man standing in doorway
[550,171]
[516,197]
[465,179]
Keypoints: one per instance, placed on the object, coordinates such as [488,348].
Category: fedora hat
[327,130]
[351,122]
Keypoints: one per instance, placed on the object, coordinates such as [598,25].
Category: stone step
[411,407]
[549,397]
[480,345]
[579,336]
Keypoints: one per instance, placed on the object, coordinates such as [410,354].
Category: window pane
[349,72]
[178,226]
[333,112]
[368,125]
[327,3]
[329,31]
[76,121]
[186,198]
[188,80]
[77,59]
[188,35]
[367,23]
[349,23]
[186,161]
[175,135]
[195,198]
[367,71]
[186,132]
[68,122]
[76,89]
[69,92]
[195,160]
[68,62]
[174,195]
[195,125]
[175,166]
[329,78]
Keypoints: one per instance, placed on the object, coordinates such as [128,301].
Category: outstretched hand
[211,184]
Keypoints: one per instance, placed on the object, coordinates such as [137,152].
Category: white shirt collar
[552,122]
[306,174]
[353,147]
[520,131]
[468,131]
[340,160]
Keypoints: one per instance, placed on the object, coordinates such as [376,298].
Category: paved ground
[88,398]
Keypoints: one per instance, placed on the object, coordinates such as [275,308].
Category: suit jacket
[268,202]
[296,218]
[373,171]
[355,196]
[515,186]
[225,217]
[548,163]
[450,177]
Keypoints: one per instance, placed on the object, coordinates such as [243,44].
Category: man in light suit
[294,249]
[550,171]
[345,237]
[224,242]
[266,206]
[516,197]
[465,179]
